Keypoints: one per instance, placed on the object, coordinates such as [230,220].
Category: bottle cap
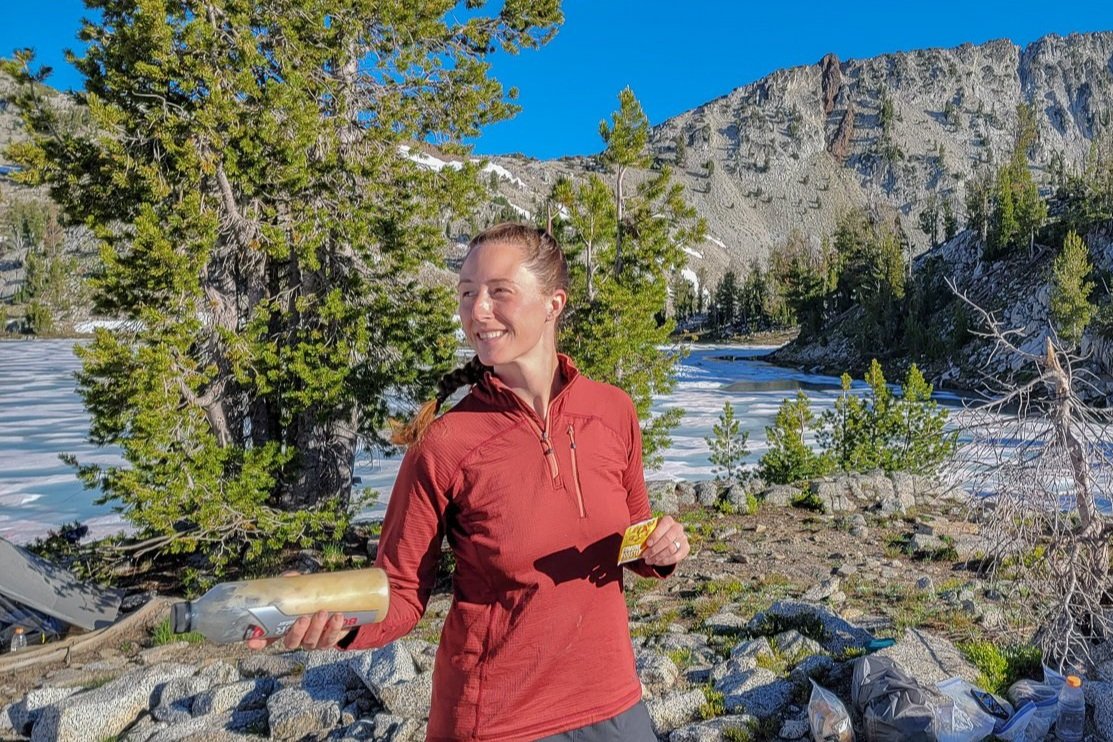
[181,617]
[1074,681]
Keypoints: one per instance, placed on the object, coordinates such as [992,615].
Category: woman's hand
[667,545]
[322,630]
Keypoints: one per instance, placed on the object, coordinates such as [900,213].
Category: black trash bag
[895,707]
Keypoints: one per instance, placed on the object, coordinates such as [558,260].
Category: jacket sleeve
[637,497]
[409,548]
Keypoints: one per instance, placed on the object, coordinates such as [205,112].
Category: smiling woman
[533,477]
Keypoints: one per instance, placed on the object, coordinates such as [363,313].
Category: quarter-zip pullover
[537,639]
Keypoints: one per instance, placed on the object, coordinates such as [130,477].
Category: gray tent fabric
[32,582]
[894,706]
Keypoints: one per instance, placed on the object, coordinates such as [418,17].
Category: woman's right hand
[322,630]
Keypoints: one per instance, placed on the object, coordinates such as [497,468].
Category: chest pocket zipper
[576,471]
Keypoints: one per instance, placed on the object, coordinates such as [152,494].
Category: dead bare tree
[1039,461]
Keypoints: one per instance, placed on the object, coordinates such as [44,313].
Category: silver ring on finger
[677,545]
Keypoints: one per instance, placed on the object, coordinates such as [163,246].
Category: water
[41,416]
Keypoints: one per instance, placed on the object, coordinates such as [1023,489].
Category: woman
[533,477]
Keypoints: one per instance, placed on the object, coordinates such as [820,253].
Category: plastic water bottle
[257,609]
[19,639]
[1072,711]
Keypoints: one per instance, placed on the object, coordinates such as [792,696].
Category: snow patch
[691,276]
[716,240]
[502,173]
[694,253]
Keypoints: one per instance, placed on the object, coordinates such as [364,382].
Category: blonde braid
[407,434]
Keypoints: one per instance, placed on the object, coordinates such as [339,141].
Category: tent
[44,598]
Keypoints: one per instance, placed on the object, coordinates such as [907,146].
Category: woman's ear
[557,303]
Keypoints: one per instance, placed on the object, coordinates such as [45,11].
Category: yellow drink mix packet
[633,542]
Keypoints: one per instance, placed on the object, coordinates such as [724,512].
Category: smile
[490,335]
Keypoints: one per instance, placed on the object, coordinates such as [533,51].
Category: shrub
[728,444]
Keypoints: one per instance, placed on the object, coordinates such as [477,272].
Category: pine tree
[918,439]
[264,227]
[623,248]
[789,458]
[726,300]
[1071,310]
[727,444]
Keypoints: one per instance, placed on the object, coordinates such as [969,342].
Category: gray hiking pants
[632,725]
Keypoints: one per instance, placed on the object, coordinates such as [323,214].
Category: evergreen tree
[727,444]
[726,300]
[950,221]
[1071,310]
[789,458]
[264,227]
[623,248]
[918,441]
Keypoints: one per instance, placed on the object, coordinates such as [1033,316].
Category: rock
[671,711]
[685,493]
[707,493]
[296,712]
[822,591]
[390,728]
[780,495]
[177,696]
[794,729]
[411,699]
[724,623]
[1100,696]
[925,584]
[243,695]
[698,674]
[163,652]
[925,545]
[272,665]
[326,667]
[662,497]
[108,710]
[747,653]
[143,729]
[845,570]
[737,496]
[757,692]
[389,665]
[833,494]
[929,658]
[220,672]
[224,727]
[657,672]
[7,726]
[841,634]
[812,667]
[23,714]
[992,617]
[716,730]
[424,653]
[794,646]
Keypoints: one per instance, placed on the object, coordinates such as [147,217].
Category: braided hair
[407,434]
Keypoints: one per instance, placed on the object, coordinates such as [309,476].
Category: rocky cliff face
[797,148]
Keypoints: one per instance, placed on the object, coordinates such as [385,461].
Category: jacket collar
[492,391]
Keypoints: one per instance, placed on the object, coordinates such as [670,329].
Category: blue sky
[675,55]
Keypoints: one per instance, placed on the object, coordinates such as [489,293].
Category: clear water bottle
[19,639]
[1072,711]
[254,609]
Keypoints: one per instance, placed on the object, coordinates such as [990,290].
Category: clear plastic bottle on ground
[1071,726]
[19,639]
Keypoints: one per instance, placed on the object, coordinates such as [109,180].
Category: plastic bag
[1017,726]
[963,720]
[895,706]
[1045,699]
[828,717]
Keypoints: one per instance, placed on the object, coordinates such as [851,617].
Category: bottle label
[272,622]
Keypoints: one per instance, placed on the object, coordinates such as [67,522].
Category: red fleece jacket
[537,639]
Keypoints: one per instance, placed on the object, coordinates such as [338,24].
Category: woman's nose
[481,306]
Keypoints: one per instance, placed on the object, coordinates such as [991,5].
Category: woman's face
[506,314]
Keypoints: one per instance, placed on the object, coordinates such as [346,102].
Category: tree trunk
[619,200]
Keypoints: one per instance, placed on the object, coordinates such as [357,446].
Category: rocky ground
[725,647]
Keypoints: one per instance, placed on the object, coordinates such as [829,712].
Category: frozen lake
[41,416]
